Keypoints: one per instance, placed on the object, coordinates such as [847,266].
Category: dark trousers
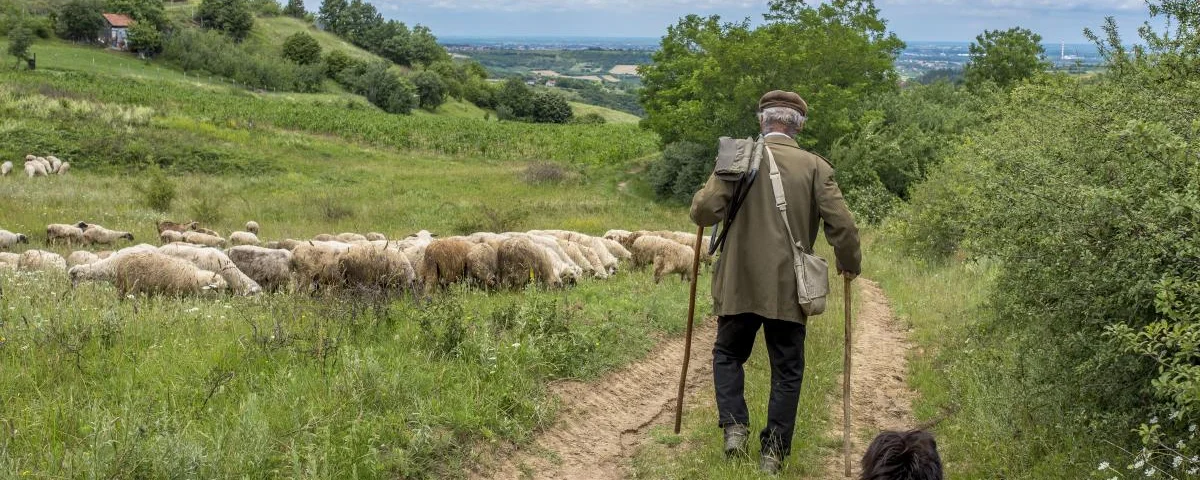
[785,346]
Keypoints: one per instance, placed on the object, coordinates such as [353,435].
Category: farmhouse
[116,31]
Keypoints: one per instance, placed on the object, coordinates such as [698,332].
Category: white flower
[1154,420]
[1175,415]
[193,310]
[1103,466]
[1179,445]
[516,345]
[1193,471]
[1150,472]
[1192,427]
[1138,464]
[1195,459]
[1176,462]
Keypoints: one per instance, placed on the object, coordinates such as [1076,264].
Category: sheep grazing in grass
[376,236]
[593,259]
[252,227]
[66,166]
[46,163]
[324,237]
[35,169]
[316,264]
[271,268]
[619,236]
[667,256]
[286,244]
[5,169]
[200,238]
[214,260]
[445,262]
[41,260]
[350,237]
[96,234]
[481,266]
[367,265]
[167,225]
[211,233]
[170,236]
[104,269]
[519,261]
[61,232]
[9,239]
[576,255]
[617,250]
[243,238]
[9,261]
[154,273]
[81,257]
[55,163]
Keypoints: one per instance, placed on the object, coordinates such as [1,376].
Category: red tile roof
[118,20]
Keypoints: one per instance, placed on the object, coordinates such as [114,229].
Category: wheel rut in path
[880,396]
[602,423]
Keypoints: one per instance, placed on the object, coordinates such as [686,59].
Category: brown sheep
[376,266]
[481,265]
[519,260]
[176,227]
[445,262]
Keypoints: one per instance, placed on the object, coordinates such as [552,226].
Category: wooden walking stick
[687,342]
[846,379]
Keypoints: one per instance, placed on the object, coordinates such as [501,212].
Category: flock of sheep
[38,166]
[193,260]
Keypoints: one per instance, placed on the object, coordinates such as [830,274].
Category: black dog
[902,456]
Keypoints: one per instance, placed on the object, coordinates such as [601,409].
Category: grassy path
[604,422]
[880,395]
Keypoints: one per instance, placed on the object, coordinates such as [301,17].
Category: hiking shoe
[770,463]
[735,440]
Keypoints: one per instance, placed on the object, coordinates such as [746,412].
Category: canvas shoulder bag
[812,272]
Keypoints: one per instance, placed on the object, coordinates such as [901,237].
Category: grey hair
[789,119]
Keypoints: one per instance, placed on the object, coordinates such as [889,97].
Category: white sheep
[61,232]
[576,255]
[316,264]
[96,234]
[214,260]
[41,260]
[9,239]
[55,163]
[199,238]
[156,273]
[81,257]
[667,256]
[376,266]
[35,169]
[9,261]
[5,168]
[243,238]
[104,269]
[62,170]
[349,237]
[170,236]
[45,163]
[375,236]
[252,227]
[271,268]
[518,259]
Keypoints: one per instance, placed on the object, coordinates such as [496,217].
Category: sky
[912,20]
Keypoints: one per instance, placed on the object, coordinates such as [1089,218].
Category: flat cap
[780,98]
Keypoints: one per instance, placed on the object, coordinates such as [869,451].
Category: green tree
[302,48]
[230,16]
[515,98]
[551,107]
[143,11]
[337,61]
[20,38]
[330,15]
[145,39]
[295,8]
[383,87]
[430,88]
[80,20]
[1005,57]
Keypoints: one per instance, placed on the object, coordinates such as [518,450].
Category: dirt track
[603,422]
[881,398]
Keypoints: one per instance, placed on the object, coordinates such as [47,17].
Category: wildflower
[193,310]
[1192,427]
[1193,471]
[1103,466]
[1150,472]
[1179,445]
[1176,462]
[1174,415]
[1138,464]
[1154,420]
[1195,459]
[516,345]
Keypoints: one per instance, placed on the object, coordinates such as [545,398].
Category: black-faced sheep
[519,261]
[9,239]
[271,268]
[41,260]
[155,273]
[96,234]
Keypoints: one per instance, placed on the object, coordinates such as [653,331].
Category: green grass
[272,31]
[610,115]
[696,452]
[65,56]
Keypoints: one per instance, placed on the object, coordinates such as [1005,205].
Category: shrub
[336,61]
[592,118]
[145,39]
[302,48]
[205,51]
[383,87]
[551,107]
[19,40]
[158,191]
[543,173]
[682,170]
[207,208]
[80,20]
[430,88]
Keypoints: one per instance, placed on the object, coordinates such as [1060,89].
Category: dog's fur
[908,455]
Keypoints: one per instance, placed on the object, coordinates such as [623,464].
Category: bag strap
[781,201]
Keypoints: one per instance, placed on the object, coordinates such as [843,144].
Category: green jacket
[754,272]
